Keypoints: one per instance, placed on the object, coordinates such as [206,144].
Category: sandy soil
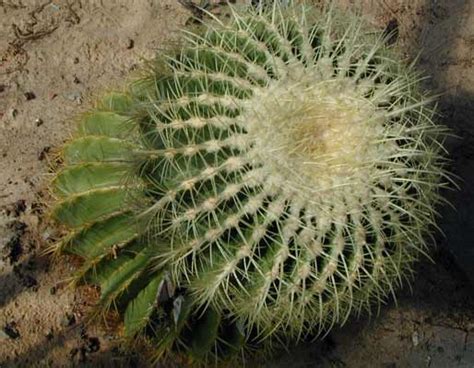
[56,55]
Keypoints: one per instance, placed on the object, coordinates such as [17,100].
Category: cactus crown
[276,174]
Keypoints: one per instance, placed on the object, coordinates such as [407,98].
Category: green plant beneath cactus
[275,175]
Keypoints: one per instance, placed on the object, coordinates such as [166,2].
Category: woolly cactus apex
[277,174]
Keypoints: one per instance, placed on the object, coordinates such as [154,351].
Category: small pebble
[11,331]
[73,352]
[3,335]
[50,334]
[43,153]
[46,235]
[39,122]
[68,320]
[13,113]
[130,44]
[30,282]
[75,96]
[391,31]
[92,345]
[29,96]
[415,338]
[19,207]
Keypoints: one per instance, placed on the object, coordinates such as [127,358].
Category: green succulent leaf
[97,149]
[233,340]
[139,310]
[121,274]
[170,334]
[119,103]
[83,178]
[102,236]
[105,123]
[205,333]
[88,207]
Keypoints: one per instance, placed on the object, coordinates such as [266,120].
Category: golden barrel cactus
[276,174]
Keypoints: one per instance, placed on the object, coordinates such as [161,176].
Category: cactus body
[275,175]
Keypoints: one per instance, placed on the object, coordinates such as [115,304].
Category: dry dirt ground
[56,55]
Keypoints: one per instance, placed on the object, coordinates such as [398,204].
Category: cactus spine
[277,174]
